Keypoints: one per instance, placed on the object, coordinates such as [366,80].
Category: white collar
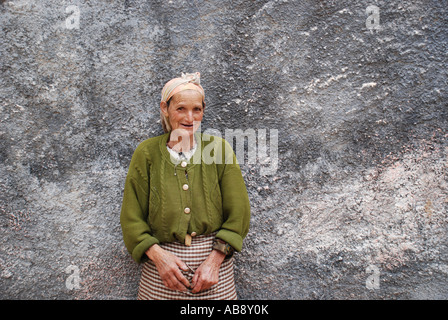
[182,155]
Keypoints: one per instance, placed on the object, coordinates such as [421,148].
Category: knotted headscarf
[187,81]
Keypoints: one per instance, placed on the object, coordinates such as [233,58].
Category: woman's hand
[168,265]
[208,272]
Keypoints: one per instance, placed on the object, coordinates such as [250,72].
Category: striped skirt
[152,288]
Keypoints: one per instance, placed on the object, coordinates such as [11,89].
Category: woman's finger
[181,280]
[198,286]
[169,267]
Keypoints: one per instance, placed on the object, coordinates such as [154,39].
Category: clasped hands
[169,267]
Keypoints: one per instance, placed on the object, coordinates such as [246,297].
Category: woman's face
[185,111]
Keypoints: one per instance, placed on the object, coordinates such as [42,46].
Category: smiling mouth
[187,125]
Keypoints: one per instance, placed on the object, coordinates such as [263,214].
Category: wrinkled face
[185,111]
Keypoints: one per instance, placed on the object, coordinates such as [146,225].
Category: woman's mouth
[186,125]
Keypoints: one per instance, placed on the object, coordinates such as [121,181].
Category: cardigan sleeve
[134,211]
[235,201]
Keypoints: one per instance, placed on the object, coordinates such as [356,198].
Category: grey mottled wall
[357,208]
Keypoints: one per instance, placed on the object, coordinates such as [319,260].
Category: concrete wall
[355,209]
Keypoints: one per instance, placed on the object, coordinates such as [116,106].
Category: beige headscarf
[187,81]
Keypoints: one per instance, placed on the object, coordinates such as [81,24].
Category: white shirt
[182,155]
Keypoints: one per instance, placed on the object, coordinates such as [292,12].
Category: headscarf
[187,81]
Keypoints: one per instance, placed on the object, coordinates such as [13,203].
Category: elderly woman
[185,206]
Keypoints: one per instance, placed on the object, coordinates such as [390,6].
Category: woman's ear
[164,108]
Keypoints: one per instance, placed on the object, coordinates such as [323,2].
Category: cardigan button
[193,234]
[187,210]
[183,164]
[185,187]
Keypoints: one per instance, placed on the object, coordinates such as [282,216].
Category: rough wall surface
[357,207]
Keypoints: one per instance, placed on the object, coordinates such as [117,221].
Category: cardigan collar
[174,159]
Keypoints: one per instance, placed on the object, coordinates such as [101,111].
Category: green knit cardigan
[164,200]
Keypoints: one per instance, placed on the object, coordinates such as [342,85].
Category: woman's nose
[189,116]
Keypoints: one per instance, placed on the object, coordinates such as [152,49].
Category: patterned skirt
[152,288]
